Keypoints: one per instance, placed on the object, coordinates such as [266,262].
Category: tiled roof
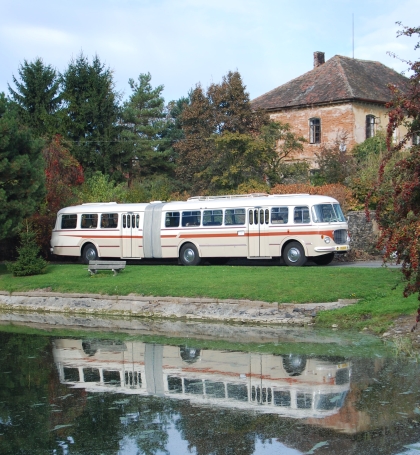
[338,79]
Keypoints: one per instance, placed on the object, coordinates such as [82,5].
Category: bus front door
[258,234]
[131,238]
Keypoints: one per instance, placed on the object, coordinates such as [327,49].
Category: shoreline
[194,309]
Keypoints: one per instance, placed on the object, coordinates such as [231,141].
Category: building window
[370,126]
[314,131]
[416,138]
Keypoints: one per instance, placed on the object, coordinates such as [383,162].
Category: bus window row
[90,221]
[208,218]
[235,217]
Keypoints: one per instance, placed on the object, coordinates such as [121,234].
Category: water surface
[117,394]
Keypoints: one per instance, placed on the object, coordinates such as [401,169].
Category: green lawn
[379,289]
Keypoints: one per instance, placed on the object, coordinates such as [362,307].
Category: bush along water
[29,261]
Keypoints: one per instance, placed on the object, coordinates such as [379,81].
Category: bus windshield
[327,213]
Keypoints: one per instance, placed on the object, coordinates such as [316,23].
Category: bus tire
[294,254]
[89,253]
[189,354]
[325,259]
[189,255]
[294,364]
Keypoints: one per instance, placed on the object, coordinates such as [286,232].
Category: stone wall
[363,233]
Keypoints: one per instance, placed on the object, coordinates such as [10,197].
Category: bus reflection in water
[292,386]
[212,228]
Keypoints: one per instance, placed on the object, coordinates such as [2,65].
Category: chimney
[319,59]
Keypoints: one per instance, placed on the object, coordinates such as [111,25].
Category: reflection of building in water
[293,386]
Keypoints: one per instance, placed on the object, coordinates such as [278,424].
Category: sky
[182,43]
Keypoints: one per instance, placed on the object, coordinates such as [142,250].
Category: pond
[298,392]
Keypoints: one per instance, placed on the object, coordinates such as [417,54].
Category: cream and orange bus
[292,227]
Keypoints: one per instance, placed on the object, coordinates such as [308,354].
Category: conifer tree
[37,97]
[29,261]
[143,124]
[22,179]
[91,105]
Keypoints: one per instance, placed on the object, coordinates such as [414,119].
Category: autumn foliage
[336,190]
[398,207]
[62,172]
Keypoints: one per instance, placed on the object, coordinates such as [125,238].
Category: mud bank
[198,309]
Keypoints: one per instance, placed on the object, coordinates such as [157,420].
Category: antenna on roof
[352,16]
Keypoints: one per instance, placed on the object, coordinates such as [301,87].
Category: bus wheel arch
[189,255]
[293,254]
[89,253]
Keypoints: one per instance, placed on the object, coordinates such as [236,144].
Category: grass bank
[379,289]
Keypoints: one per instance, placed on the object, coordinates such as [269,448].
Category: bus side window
[212,217]
[191,218]
[68,221]
[301,215]
[279,215]
[234,217]
[172,219]
[109,220]
[89,221]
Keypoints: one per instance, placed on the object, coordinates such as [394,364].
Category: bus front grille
[340,236]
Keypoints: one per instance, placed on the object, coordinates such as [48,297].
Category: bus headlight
[327,239]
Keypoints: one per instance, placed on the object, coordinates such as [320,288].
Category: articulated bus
[213,228]
[289,385]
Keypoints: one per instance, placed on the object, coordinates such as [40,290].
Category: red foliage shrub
[336,190]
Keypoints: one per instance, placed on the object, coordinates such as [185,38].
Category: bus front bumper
[325,249]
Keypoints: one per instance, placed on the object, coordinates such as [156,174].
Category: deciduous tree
[63,174]
[223,109]
[398,208]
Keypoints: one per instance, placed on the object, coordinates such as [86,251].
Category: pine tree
[37,97]
[143,124]
[28,262]
[22,179]
[91,105]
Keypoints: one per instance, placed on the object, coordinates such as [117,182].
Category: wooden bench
[115,266]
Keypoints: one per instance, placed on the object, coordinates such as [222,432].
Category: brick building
[341,99]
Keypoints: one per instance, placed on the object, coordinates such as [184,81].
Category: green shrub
[28,262]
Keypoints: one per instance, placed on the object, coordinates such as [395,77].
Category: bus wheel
[89,253]
[293,254]
[189,255]
[325,259]
[294,364]
[189,355]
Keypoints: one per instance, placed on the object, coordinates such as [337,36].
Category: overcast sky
[185,42]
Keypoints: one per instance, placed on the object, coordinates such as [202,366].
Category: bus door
[131,239]
[258,234]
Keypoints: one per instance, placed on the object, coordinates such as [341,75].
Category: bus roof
[204,202]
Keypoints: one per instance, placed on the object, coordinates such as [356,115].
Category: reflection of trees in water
[392,392]
[216,432]
[24,411]
[108,419]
